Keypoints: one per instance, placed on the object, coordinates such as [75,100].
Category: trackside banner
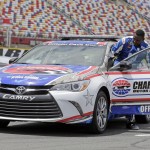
[12,52]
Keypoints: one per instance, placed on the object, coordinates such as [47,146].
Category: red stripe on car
[131,100]
[75,117]
[92,76]
[87,70]
[119,73]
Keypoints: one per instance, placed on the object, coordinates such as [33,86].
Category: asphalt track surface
[41,136]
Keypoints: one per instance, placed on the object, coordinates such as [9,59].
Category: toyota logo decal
[20,90]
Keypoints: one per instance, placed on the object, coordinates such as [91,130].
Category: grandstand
[48,19]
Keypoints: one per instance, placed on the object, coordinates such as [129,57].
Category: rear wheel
[4,123]
[142,118]
[100,115]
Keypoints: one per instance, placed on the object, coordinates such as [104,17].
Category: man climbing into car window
[121,50]
[129,45]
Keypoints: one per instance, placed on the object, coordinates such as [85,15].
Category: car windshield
[91,55]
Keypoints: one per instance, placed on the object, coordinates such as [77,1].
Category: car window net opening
[91,55]
[141,61]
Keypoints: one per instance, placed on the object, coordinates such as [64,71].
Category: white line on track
[142,135]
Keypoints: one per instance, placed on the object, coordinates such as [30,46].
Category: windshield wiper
[22,63]
[56,64]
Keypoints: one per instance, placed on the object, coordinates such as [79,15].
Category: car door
[130,84]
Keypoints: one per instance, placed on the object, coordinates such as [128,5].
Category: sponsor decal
[25,77]
[101,43]
[123,40]
[121,87]
[38,70]
[18,97]
[145,109]
[141,86]
[74,44]
[47,43]
[129,45]
[142,47]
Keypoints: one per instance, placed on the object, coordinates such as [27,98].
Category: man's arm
[116,48]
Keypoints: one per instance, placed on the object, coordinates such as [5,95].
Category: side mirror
[124,65]
[12,60]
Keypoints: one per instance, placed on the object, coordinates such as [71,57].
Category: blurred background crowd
[29,22]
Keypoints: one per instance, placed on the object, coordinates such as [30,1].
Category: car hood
[5,59]
[3,65]
[27,74]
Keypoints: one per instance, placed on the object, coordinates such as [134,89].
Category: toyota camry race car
[71,81]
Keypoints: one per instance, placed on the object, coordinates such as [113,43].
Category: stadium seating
[104,16]
[142,6]
[50,19]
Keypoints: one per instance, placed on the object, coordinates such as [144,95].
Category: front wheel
[142,118]
[100,114]
[4,123]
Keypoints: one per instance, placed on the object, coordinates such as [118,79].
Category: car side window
[140,61]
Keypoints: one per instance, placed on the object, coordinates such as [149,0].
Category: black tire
[4,123]
[142,118]
[100,114]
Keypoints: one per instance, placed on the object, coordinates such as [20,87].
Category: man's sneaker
[132,126]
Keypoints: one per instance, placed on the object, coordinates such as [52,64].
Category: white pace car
[72,81]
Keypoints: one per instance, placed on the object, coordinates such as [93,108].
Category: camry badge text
[18,97]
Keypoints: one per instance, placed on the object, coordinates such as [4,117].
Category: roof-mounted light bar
[90,37]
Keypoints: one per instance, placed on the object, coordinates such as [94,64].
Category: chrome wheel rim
[101,112]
